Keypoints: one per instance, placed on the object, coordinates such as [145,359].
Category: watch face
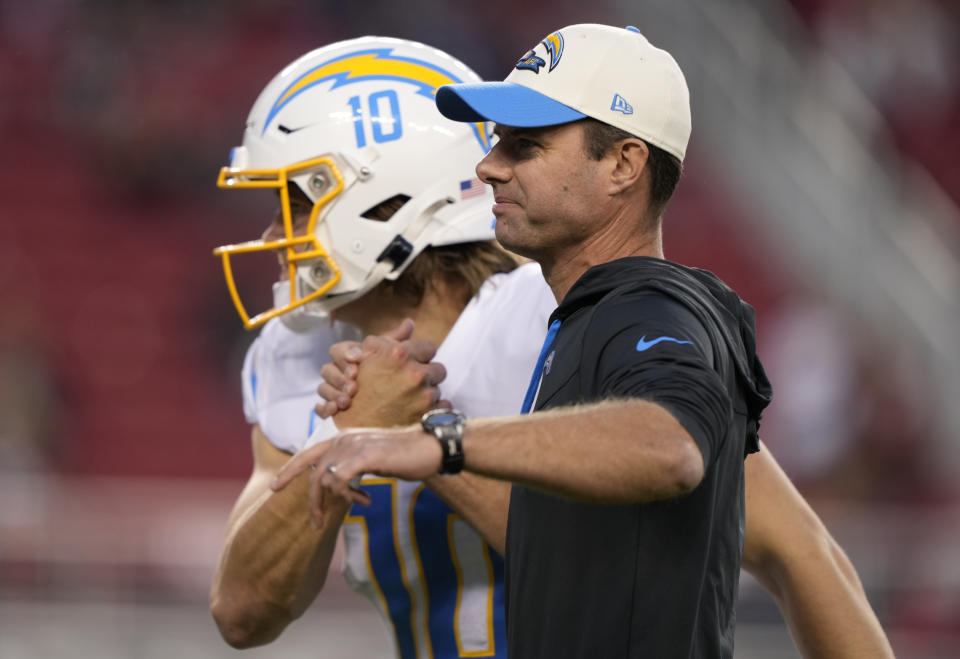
[443,418]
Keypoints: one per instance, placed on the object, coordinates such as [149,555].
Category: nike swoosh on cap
[643,344]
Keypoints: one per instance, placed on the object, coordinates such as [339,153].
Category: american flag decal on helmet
[471,188]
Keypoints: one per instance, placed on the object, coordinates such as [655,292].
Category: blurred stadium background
[823,184]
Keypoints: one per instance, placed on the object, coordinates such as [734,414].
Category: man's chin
[508,238]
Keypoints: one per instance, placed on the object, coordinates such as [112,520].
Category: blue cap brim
[504,103]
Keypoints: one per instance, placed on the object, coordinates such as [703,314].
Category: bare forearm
[826,608]
[790,551]
[611,452]
[482,502]
[273,565]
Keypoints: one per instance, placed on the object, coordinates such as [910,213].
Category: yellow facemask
[326,177]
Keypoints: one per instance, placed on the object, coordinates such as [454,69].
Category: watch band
[447,427]
[452,454]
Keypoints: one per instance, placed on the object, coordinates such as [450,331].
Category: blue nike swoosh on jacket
[643,344]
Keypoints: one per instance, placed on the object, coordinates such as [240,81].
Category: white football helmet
[353,125]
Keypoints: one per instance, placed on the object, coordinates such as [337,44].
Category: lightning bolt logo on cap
[554,45]
[553,42]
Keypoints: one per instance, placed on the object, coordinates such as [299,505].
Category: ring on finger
[332,469]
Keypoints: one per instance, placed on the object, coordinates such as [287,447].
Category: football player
[381,217]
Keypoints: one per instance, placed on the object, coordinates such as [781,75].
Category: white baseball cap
[608,73]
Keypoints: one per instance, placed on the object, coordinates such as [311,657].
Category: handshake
[375,391]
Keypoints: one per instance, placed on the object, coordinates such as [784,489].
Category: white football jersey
[437,584]
[280,375]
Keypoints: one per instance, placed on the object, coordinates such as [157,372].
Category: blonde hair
[463,267]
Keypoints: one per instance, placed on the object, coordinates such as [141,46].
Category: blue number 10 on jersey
[431,575]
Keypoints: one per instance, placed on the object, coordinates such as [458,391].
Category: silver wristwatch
[447,427]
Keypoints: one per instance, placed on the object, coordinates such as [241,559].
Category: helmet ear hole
[384,210]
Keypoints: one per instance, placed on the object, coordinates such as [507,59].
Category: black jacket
[654,579]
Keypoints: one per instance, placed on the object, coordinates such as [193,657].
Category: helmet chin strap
[311,316]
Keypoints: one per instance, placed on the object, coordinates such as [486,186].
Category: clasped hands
[376,389]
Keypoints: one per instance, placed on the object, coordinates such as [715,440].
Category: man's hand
[408,453]
[384,381]
[340,376]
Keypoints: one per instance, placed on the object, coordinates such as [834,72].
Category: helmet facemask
[311,270]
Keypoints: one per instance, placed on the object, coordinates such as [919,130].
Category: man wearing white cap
[626,515]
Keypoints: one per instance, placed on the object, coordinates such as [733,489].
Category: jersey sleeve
[248,378]
[280,375]
[650,346]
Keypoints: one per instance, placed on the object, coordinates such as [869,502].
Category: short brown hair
[463,266]
[665,168]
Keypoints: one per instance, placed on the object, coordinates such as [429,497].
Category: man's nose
[493,168]
[275,230]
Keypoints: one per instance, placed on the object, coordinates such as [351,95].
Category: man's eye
[522,147]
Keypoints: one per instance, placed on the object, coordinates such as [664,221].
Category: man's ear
[631,160]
